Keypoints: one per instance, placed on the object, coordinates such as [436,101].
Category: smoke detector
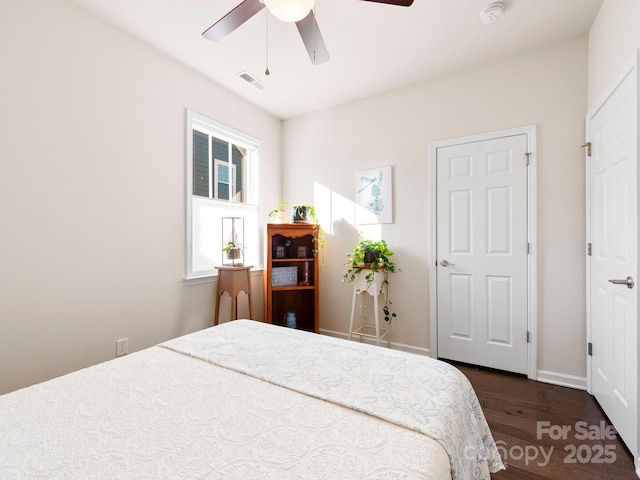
[492,13]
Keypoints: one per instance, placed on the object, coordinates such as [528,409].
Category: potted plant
[232,237]
[304,213]
[234,251]
[278,215]
[371,258]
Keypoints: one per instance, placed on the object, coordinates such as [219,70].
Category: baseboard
[545,376]
[396,346]
[562,379]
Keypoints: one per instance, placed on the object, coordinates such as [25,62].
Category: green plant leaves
[357,260]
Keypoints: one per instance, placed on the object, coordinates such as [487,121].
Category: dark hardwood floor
[516,407]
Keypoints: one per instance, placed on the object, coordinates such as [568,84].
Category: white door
[482,252]
[612,190]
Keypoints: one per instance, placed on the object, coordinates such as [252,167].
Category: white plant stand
[361,287]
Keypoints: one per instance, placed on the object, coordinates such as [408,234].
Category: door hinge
[528,336]
[590,349]
[588,146]
[589,249]
[526,160]
[528,248]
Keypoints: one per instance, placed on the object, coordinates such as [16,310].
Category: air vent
[250,79]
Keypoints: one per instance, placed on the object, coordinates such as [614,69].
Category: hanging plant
[233,233]
[233,250]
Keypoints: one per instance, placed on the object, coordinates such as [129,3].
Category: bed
[247,400]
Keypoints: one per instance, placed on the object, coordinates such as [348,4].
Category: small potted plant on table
[234,252]
[233,236]
[371,258]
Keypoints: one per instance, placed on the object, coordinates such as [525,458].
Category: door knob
[445,263]
[627,281]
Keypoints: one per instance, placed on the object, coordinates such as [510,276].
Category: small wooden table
[233,280]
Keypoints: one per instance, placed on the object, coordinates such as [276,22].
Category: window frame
[215,180]
[204,124]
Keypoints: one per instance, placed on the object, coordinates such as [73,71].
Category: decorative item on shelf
[288,242]
[372,257]
[306,278]
[301,213]
[305,213]
[278,214]
[290,320]
[292,283]
[284,276]
[233,241]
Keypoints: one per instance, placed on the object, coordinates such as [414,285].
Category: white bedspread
[159,414]
[412,391]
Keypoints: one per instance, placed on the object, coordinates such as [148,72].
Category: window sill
[213,277]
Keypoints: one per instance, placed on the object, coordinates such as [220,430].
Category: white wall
[92,182]
[548,88]
[92,217]
[614,39]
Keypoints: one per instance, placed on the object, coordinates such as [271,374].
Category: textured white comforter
[159,414]
[416,392]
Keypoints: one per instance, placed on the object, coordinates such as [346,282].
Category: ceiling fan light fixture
[289,10]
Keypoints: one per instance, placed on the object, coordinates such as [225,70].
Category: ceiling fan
[299,12]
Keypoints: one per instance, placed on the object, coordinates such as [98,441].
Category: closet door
[612,192]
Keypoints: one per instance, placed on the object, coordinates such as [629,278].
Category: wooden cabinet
[291,276]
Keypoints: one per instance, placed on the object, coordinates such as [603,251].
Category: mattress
[238,401]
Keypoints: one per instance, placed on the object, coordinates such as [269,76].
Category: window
[222,173]
[226,184]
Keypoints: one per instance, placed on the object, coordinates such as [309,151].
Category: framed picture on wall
[374,195]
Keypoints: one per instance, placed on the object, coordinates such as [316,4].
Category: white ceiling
[373,47]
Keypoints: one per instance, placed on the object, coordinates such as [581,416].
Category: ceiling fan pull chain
[313,10]
[266,72]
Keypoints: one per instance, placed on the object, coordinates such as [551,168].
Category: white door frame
[532,291]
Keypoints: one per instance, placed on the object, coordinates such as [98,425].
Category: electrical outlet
[122,347]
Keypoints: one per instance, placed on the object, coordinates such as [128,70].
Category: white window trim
[199,122]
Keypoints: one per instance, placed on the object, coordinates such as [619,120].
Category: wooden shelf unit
[281,250]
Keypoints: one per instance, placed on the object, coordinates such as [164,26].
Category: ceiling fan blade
[233,19]
[312,38]
[399,3]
